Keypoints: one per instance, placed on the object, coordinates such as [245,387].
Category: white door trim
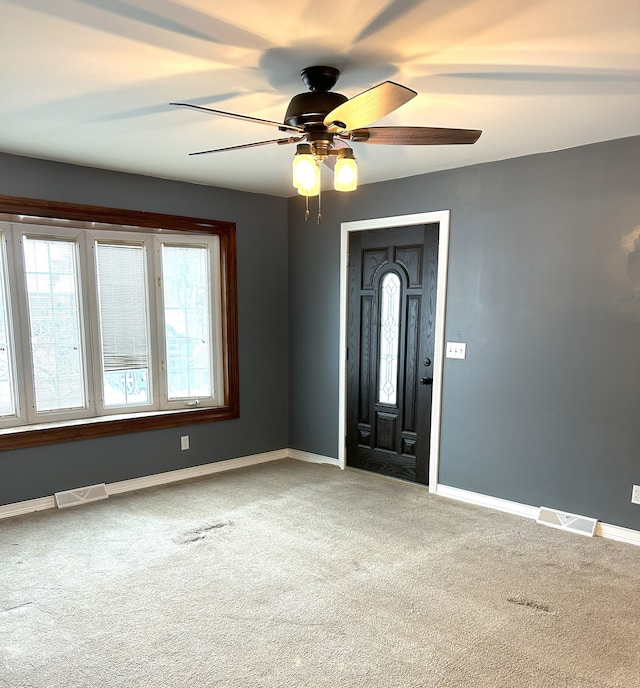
[442,218]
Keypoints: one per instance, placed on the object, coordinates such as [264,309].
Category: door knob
[426,380]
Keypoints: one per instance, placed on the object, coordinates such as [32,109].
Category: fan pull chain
[319,206]
[306,212]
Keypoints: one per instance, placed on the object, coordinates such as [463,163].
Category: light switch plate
[456,350]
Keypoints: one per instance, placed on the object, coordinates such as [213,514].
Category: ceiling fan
[323,123]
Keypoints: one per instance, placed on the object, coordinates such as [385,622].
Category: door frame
[440,217]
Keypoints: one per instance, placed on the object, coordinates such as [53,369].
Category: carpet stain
[531,604]
[200,533]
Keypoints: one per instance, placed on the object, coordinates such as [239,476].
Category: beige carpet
[290,574]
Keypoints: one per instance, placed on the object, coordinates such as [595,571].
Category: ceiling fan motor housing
[312,107]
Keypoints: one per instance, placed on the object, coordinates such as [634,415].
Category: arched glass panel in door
[389,338]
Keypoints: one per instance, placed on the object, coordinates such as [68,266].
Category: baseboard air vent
[559,519]
[81,495]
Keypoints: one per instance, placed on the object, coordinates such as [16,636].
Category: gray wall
[262,287]
[545,410]
[544,288]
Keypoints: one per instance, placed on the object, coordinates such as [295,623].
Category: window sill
[104,426]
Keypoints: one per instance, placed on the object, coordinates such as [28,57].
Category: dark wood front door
[391,323]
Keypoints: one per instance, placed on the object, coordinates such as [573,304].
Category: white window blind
[124,319]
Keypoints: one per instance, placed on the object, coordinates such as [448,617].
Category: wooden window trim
[16,209]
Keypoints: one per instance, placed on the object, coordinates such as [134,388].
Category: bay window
[108,327]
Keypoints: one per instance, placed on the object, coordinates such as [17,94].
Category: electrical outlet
[635,495]
[184,442]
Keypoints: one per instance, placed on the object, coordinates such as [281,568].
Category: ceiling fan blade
[245,118]
[280,142]
[368,106]
[414,136]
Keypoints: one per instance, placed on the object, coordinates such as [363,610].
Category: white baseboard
[604,530]
[312,458]
[194,472]
[485,500]
[27,507]
[43,503]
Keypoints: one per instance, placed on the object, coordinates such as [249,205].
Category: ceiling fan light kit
[306,171]
[321,122]
[345,173]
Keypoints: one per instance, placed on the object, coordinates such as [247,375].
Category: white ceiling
[90,81]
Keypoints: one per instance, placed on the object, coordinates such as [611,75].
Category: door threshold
[386,477]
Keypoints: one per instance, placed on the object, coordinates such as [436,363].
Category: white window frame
[86,243]
[69,222]
[13,338]
[18,307]
[213,247]
[127,239]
